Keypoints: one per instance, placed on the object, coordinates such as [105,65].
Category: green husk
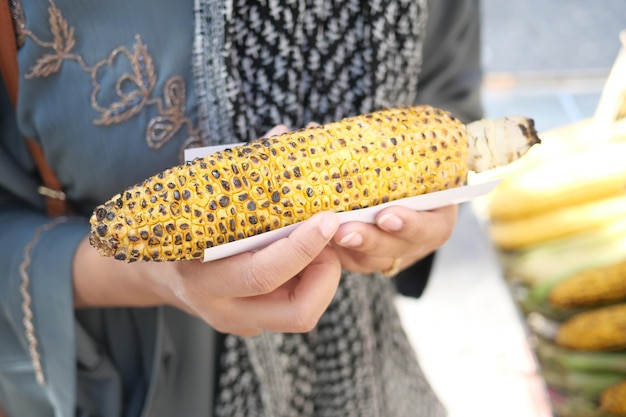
[568,360]
[543,267]
[587,384]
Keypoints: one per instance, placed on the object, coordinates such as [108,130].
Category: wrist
[105,282]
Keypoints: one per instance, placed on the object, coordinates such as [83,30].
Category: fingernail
[328,227]
[390,222]
[351,240]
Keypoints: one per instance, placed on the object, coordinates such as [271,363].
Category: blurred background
[549,60]
[549,57]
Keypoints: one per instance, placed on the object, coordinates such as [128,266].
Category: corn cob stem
[254,188]
[494,143]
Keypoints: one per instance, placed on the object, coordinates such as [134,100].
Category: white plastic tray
[367,215]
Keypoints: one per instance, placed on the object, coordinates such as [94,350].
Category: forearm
[106,282]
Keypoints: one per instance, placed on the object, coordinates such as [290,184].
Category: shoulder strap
[56,203]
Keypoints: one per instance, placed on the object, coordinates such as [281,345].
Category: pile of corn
[559,224]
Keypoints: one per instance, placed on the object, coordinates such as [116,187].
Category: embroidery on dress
[31,336]
[134,90]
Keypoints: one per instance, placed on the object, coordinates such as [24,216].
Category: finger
[395,226]
[287,257]
[261,272]
[276,130]
[403,237]
[297,305]
[415,226]
[312,124]
[362,262]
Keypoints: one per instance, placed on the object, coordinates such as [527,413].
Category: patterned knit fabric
[263,63]
[356,363]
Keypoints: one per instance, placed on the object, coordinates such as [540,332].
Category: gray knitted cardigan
[259,64]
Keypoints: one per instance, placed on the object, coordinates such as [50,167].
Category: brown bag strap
[8,51]
[56,203]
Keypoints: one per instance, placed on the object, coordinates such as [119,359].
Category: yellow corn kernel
[270,183]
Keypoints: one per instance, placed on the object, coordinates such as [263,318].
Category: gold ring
[393,269]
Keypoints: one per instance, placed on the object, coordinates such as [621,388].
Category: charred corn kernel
[602,329]
[591,287]
[586,175]
[267,184]
[525,232]
[613,399]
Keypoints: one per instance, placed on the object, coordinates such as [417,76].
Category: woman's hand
[399,238]
[284,287]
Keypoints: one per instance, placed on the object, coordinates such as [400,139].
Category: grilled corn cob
[526,232]
[613,399]
[270,183]
[565,180]
[591,287]
[602,329]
